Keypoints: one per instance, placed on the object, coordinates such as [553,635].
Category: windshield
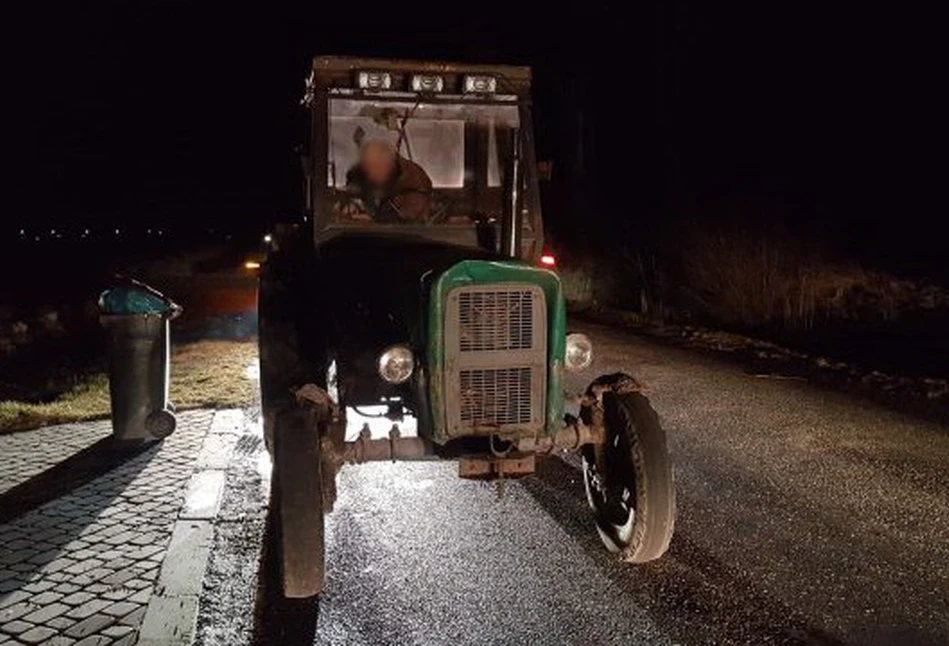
[407,162]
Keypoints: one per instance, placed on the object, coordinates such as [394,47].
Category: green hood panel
[482,272]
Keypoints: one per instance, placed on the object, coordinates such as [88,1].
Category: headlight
[396,364]
[579,352]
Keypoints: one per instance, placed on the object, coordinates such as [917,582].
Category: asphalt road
[805,517]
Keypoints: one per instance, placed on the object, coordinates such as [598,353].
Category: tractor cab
[458,140]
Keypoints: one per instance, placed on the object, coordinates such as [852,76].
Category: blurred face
[377,161]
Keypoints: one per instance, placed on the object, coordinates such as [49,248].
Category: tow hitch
[494,467]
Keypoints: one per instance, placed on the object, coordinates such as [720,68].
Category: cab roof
[340,71]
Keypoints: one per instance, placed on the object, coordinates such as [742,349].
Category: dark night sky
[181,113]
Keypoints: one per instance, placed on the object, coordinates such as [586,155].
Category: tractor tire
[282,367]
[297,504]
[629,479]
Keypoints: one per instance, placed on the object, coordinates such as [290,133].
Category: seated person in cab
[386,187]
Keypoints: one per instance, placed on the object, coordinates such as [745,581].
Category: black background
[186,114]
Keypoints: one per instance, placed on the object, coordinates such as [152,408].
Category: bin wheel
[160,423]
[297,503]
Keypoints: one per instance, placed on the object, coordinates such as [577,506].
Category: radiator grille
[495,358]
[496,320]
[492,397]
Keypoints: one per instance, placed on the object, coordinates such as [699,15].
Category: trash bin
[136,318]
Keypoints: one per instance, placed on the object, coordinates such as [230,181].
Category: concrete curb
[171,617]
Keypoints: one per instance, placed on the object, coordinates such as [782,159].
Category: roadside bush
[751,277]
[739,274]
[627,278]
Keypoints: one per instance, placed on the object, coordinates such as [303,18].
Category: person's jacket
[406,197]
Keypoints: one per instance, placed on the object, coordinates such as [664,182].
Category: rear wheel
[297,503]
[629,480]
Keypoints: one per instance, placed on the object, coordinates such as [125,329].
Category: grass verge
[204,374]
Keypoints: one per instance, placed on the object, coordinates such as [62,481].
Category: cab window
[392,162]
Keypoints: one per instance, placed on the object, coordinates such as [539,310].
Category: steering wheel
[434,216]
[348,205]
[438,214]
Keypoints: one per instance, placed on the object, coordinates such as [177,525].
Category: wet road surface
[805,517]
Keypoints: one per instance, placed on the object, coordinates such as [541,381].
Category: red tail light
[548,259]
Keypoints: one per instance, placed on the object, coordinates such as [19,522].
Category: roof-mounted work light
[427,83]
[374,80]
[480,84]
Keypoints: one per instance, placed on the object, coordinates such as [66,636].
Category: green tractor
[417,295]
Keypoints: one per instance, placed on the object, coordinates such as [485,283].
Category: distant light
[116,232]
[22,232]
[548,260]
[52,232]
[268,238]
[252,264]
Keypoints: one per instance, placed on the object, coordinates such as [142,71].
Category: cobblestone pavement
[30,453]
[81,569]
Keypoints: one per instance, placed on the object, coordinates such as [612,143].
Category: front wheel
[628,479]
[297,504]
